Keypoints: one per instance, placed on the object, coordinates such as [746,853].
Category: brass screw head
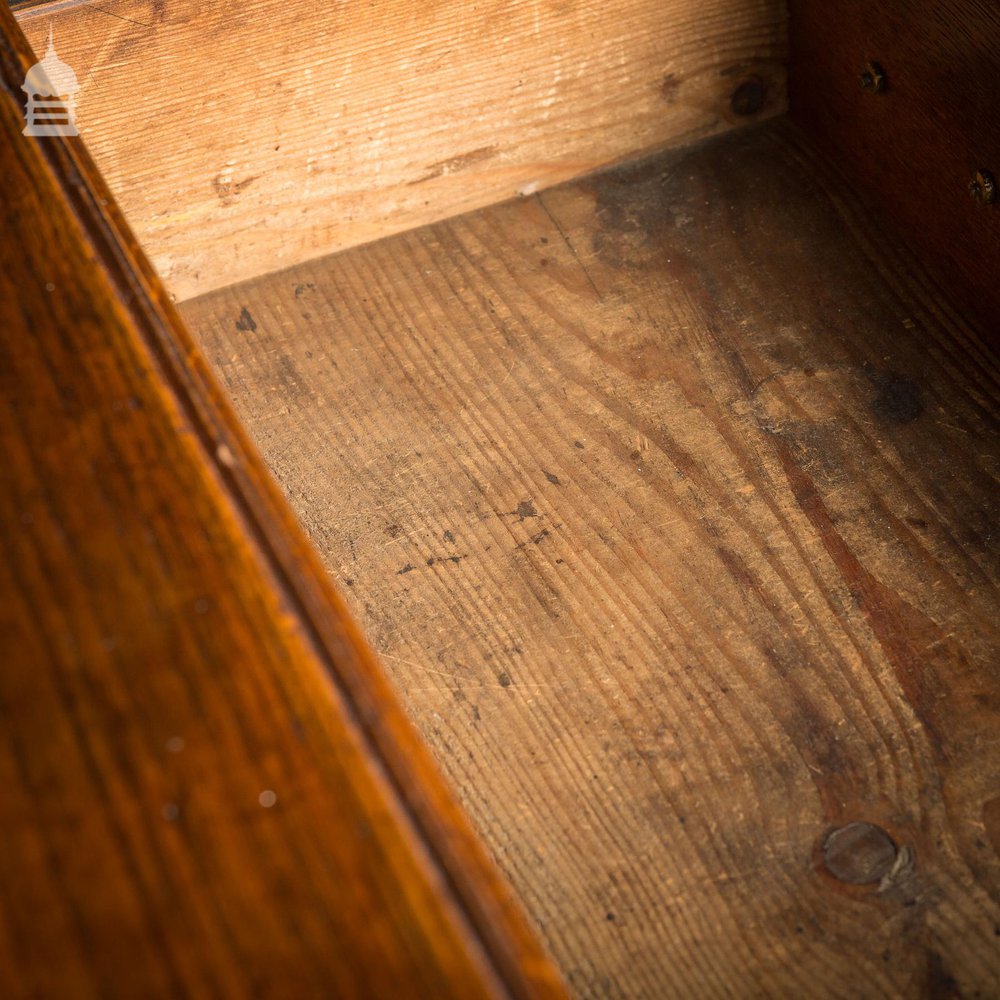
[983,187]
[873,77]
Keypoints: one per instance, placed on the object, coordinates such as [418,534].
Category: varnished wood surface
[914,147]
[669,498]
[241,137]
[205,787]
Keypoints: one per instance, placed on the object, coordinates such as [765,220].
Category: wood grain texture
[206,787]
[669,498]
[241,137]
[913,148]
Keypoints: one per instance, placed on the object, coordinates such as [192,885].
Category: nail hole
[748,97]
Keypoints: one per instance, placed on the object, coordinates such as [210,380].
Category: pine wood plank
[205,786]
[243,137]
[669,498]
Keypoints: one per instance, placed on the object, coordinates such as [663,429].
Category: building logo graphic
[51,87]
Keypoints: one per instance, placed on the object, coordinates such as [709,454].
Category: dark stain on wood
[898,398]
[524,510]
[228,191]
[941,984]
[245,323]
[766,605]
[670,86]
[455,164]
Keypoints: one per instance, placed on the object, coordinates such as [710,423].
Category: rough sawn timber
[241,137]
[669,497]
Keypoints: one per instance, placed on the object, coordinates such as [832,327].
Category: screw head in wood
[873,77]
[858,853]
[983,187]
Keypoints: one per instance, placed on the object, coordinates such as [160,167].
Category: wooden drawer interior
[657,468]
